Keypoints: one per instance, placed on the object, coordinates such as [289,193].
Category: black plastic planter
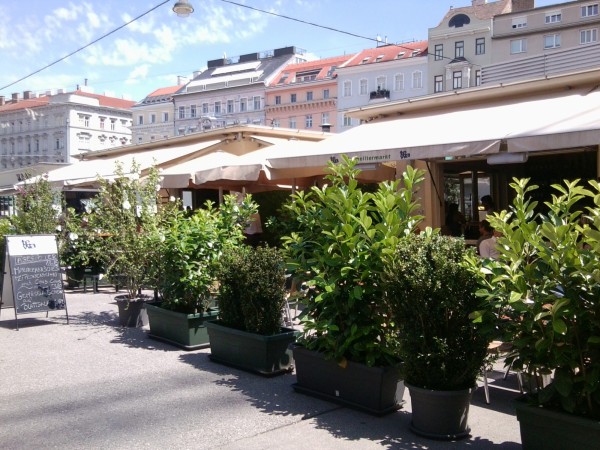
[376,390]
[266,355]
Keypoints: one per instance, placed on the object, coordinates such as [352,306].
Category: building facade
[544,41]
[154,116]
[460,45]
[304,96]
[230,91]
[382,74]
[54,128]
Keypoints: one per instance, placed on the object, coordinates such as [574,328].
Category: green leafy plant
[252,289]
[77,241]
[38,207]
[431,291]
[344,237]
[191,247]
[546,285]
[126,218]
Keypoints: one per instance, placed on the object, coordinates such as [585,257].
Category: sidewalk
[94,385]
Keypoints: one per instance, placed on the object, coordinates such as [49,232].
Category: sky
[152,51]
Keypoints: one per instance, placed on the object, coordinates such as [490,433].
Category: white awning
[561,120]
[87,171]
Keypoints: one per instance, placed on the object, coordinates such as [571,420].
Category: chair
[499,348]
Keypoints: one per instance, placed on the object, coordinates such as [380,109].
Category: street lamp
[183,8]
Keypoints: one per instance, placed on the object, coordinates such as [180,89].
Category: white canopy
[560,120]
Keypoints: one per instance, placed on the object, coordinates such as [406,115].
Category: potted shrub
[249,333]
[126,217]
[189,252]
[431,291]
[342,239]
[546,283]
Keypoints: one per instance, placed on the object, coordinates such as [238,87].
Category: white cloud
[138,74]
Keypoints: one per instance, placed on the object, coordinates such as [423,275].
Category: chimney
[26,95]
[478,2]
[2,100]
[522,5]
[15,97]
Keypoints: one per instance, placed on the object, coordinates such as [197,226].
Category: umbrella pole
[220,196]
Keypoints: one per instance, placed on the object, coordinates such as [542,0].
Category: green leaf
[559,326]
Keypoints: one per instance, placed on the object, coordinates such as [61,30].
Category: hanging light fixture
[183,8]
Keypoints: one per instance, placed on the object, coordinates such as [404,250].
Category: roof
[111,102]
[480,11]
[325,66]
[103,100]
[161,95]
[389,52]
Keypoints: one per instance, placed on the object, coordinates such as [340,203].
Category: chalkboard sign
[32,277]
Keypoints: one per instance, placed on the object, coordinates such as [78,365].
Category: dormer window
[400,55]
[379,58]
[459,20]
[365,60]
[415,52]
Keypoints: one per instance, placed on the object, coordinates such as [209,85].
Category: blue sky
[152,51]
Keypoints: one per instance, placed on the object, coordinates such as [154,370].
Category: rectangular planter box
[376,390]
[266,355]
[187,331]
[545,429]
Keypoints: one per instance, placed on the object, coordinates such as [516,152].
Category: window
[552,41]
[140,120]
[325,94]
[229,106]
[309,121]
[480,46]
[256,103]
[309,96]
[217,107]
[553,17]
[243,105]
[417,79]
[204,108]
[399,82]
[86,121]
[381,82]
[182,112]
[519,22]
[324,118]
[102,121]
[152,118]
[518,46]
[438,83]
[589,10]
[278,99]
[347,121]
[459,49]
[112,124]
[292,122]
[363,87]
[165,116]
[439,52]
[192,111]
[293,98]
[478,78]
[347,88]
[588,36]
[457,80]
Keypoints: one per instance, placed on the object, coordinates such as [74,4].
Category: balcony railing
[380,93]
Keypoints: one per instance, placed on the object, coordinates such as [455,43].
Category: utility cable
[85,46]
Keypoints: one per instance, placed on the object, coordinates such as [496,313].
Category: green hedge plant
[342,241]
[191,247]
[252,289]
[431,291]
[546,284]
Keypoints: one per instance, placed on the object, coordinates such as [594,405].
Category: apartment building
[154,116]
[304,96]
[56,127]
[386,73]
[460,45]
[544,41]
[230,91]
